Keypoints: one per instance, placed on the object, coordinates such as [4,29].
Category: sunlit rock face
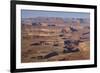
[53,38]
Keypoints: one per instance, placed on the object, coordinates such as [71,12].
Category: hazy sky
[38,13]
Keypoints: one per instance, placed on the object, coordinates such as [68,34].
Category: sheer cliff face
[43,39]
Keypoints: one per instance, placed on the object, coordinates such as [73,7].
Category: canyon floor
[42,44]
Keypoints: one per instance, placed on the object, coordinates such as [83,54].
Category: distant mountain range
[56,20]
